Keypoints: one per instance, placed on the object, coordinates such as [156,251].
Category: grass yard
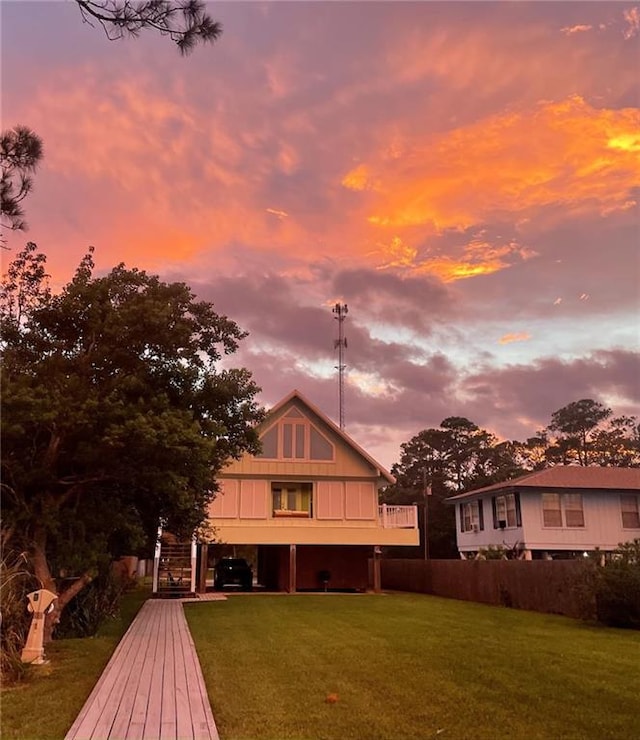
[45,706]
[411,666]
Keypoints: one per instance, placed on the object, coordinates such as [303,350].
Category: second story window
[291,499]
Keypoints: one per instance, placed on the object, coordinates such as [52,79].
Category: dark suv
[232,571]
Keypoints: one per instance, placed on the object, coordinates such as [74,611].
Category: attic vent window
[270,443]
[293,413]
[296,440]
[320,448]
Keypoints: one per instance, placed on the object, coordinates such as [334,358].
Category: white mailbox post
[40,604]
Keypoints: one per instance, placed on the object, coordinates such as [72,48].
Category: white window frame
[567,498]
[502,502]
[633,499]
[564,501]
[470,523]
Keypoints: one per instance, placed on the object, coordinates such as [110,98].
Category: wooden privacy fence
[551,586]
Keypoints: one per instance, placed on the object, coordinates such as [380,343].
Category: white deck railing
[397,517]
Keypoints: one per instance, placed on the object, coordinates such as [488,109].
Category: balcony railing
[398,517]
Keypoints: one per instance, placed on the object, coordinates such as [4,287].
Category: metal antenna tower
[340,310]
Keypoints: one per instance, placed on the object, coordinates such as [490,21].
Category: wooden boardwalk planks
[152,688]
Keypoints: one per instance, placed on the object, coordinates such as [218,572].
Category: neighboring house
[559,512]
[309,502]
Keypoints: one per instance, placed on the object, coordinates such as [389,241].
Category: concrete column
[292,569]
[526,554]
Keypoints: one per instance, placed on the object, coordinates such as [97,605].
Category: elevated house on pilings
[306,508]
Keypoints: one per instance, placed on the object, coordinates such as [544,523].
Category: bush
[492,553]
[617,588]
[16,581]
[95,604]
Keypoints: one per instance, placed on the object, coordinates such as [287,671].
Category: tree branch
[184,21]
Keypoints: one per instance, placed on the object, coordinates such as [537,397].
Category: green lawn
[411,666]
[45,706]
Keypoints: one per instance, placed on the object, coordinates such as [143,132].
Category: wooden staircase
[174,571]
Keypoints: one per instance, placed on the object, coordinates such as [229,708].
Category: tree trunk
[43,574]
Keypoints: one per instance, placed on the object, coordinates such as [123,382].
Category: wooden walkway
[152,688]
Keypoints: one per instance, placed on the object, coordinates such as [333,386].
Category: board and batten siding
[254,499]
[226,503]
[361,501]
[347,464]
[329,500]
[247,499]
[333,500]
[602,523]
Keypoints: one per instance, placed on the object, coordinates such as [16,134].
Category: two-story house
[309,503]
[564,511]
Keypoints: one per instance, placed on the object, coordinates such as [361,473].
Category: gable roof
[566,476]
[296,395]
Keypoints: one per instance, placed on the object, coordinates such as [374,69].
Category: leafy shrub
[16,581]
[493,552]
[95,604]
[617,588]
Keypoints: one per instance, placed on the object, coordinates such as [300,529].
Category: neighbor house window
[506,511]
[573,511]
[551,510]
[471,517]
[562,510]
[630,507]
[291,499]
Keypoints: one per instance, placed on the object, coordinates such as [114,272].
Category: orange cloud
[478,257]
[174,182]
[396,254]
[565,152]
[275,212]
[359,178]
[522,336]
[570,30]
[632,18]
[626,142]
[147,166]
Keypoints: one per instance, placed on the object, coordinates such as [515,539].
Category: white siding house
[562,511]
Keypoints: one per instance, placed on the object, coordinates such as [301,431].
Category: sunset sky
[465,176]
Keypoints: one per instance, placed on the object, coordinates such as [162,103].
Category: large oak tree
[117,413]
